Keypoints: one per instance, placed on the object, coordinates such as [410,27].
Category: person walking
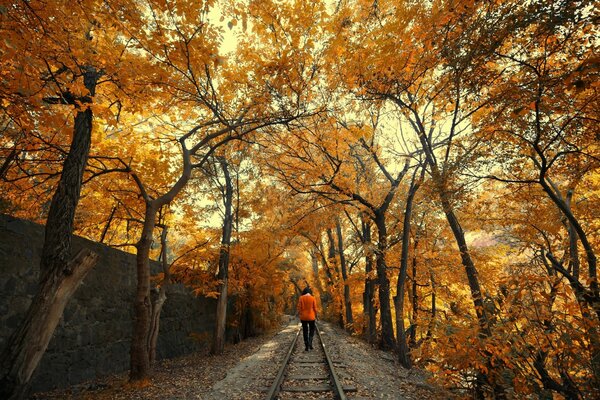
[307,311]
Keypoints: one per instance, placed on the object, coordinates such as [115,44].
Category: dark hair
[307,290]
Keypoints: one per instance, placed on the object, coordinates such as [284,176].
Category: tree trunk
[60,274]
[160,299]
[573,250]
[333,262]
[586,300]
[219,336]
[369,294]
[387,340]
[582,236]
[326,295]
[433,305]
[347,301]
[415,299]
[8,161]
[139,356]
[315,269]
[108,222]
[467,261]
[139,353]
[403,351]
[439,181]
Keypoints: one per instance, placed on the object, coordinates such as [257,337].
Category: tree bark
[429,333]
[315,269]
[415,299]
[140,366]
[439,181]
[467,261]
[140,357]
[369,293]
[347,301]
[586,300]
[8,161]
[107,226]
[387,340]
[573,250]
[60,274]
[160,299]
[576,226]
[403,351]
[219,336]
[333,263]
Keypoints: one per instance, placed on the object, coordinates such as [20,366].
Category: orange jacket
[307,307]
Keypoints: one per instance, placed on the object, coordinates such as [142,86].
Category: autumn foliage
[431,169]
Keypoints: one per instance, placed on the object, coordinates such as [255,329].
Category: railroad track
[307,374]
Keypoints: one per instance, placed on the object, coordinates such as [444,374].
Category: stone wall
[93,336]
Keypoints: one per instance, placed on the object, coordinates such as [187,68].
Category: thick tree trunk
[403,351]
[139,353]
[159,301]
[347,301]
[56,252]
[60,275]
[219,336]
[139,356]
[218,344]
[387,340]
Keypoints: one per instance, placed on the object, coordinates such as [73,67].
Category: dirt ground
[245,371]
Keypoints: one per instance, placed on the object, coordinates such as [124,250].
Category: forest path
[245,372]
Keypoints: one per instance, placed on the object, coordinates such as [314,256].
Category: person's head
[306,290]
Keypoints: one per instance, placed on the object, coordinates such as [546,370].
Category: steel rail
[276,386]
[337,385]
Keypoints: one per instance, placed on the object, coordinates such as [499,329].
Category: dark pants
[308,336]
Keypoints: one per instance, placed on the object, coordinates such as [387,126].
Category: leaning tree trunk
[218,344]
[439,181]
[347,302]
[60,274]
[387,330]
[465,255]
